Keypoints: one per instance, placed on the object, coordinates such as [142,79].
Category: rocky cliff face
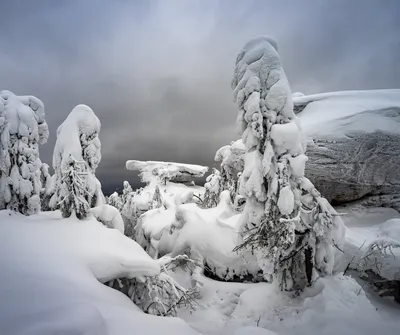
[353,145]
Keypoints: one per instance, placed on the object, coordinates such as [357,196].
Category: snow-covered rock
[353,145]
[175,172]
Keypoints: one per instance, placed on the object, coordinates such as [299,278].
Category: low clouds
[157,73]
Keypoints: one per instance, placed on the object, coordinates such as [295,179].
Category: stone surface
[354,147]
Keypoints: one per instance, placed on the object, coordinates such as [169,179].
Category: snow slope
[49,267]
[353,145]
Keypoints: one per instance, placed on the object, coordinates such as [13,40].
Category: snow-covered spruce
[22,129]
[285,220]
[47,190]
[115,200]
[214,186]
[77,154]
[232,165]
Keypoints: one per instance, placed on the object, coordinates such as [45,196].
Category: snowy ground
[335,305]
[48,286]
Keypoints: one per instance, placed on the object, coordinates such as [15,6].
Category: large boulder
[353,145]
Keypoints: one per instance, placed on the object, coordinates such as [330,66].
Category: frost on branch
[285,220]
[22,129]
[77,153]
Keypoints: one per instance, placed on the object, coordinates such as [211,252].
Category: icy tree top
[258,81]
[25,116]
[78,136]
[175,172]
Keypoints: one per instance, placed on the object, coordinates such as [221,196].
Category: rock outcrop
[353,145]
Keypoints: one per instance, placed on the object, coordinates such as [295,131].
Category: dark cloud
[157,73]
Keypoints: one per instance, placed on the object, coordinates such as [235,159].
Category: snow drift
[52,269]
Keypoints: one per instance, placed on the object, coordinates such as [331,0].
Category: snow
[336,114]
[51,268]
[286,200]
[287,137]
[335,305]
[109,216]
[59,291]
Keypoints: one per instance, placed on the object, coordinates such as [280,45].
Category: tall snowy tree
[22,129]
[285,220]
[76,156]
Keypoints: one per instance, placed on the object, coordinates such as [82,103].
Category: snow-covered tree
[214,186]
[232,165]
[46,192]
[115,200]
[285,220]
[77,153]
[126,191]
[22,129]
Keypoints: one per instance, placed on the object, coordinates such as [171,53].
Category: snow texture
[22,129]
[77,153]
[353,145]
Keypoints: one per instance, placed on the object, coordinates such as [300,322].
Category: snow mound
[175,172]
[335,305]
[109,216]
[58,264]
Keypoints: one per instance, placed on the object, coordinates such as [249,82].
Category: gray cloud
[157,73]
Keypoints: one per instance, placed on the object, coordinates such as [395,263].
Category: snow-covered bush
[77,153]
[161,294]
[285,220]
[22,129]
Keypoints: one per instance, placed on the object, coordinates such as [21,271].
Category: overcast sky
[157,73]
